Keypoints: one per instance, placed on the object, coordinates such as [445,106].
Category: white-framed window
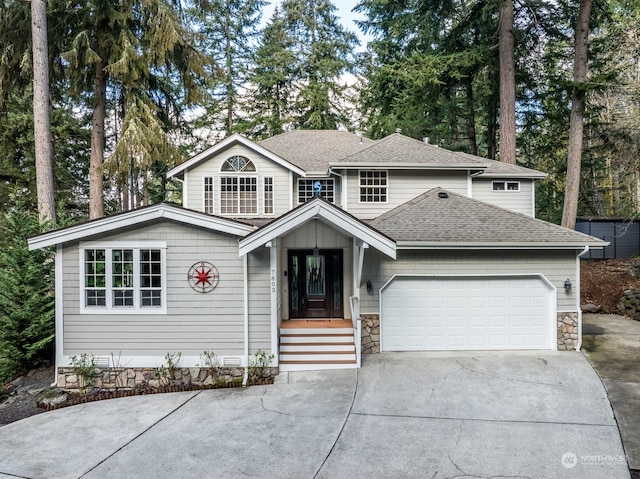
[505,185]
[238,192]
[309,187]
[208,194]
[374,186]
[268,195]
[123,277]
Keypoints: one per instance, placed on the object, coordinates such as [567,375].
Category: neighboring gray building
[317,246]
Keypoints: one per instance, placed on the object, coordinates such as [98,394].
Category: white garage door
[455,313]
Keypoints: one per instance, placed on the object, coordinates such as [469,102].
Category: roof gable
[137,217]
[318,209]
[315,150]
[439,218]
[235,139]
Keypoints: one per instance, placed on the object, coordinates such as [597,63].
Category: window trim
[238,174]
[211,197]
[360,186]
[136,246]
[312,180]
[506,189]
[264,195]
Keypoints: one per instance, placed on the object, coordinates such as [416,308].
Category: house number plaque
[203,277]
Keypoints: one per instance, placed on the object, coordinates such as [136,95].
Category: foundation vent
[231,361]
[101,361]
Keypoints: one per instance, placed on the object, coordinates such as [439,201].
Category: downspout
[245,271]
[579,309]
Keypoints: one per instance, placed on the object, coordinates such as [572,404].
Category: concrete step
[318,356]
[311,331]
[310,347]
[316,338]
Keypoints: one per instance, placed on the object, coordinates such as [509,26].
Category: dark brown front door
[315,284]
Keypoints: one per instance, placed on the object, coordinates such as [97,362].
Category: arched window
[238,193]
[238,164]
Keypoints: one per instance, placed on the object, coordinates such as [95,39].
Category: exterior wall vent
[101,361]
[231,361]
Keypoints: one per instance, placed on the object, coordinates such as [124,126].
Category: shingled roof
[440,218]
[314,150]
[398,151]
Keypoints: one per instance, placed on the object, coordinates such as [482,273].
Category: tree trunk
[471,120]
[507,84]
[574,156]
[41,112]
[96,187]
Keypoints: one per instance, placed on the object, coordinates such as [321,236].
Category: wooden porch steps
[312,347]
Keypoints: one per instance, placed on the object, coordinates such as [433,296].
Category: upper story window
[239,192]
[308,188]
[208,195]
[505,185]
[268,196]
[123,278]
[373,186]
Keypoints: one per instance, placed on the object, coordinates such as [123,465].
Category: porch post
[275,289]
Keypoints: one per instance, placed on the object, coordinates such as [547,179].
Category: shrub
[27,300]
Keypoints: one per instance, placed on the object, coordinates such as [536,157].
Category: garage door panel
[467,313]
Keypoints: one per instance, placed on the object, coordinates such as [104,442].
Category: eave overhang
[318,209]
[137,217]
[178,171]
[448,245]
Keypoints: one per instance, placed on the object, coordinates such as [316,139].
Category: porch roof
[322,210]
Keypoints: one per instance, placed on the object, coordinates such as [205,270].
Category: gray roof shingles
[314,150]
[459,220]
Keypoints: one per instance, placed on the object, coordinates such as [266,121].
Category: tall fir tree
[324,53]
[272,80]
[229,29]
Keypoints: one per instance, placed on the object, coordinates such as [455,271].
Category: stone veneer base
[120,378]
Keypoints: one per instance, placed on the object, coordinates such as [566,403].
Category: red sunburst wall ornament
[203,277]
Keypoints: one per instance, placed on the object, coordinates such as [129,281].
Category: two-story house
[315,246]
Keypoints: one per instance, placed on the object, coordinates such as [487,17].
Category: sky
[347,18]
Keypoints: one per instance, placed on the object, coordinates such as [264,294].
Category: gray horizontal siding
[194,321]
[519,201]
[403,185]
[556,266]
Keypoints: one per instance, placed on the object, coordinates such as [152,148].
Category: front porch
[323,343]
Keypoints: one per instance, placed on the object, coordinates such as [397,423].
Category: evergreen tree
[323,51]
[228,32]
[272,80]
[26,297]
[141,53]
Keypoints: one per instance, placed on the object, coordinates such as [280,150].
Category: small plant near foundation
[212,362]
[117,369]
[167,372]
[84,367]
[259,364]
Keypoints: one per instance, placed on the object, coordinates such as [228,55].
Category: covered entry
[467,312]
[315,284]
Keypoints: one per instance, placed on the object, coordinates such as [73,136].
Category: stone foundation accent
[370,333]
[567,331]
[129,378]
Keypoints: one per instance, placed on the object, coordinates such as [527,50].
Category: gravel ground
[23,390]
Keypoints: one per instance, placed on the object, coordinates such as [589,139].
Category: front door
[315,284]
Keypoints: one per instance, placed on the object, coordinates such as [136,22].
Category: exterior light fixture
[567,285]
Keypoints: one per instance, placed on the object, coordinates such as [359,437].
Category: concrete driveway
[612,345]
[416,415]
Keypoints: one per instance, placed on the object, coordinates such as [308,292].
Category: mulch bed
[142,389]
